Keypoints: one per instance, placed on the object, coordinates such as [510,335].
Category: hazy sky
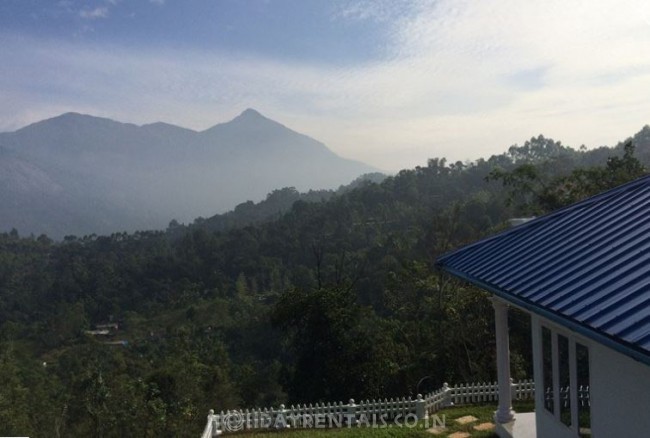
[388,82]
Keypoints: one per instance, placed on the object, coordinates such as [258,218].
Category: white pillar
[504,413]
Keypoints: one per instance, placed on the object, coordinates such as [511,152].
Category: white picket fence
[340,414]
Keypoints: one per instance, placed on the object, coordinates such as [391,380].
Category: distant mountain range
[79,174]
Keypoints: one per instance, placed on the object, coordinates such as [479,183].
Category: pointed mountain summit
[140,177]
[250,113]
[249,119]
[251,132]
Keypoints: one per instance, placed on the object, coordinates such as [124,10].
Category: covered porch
[509,424]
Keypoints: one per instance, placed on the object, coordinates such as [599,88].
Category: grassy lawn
[483,413]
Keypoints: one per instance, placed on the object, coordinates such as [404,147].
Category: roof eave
[585,331]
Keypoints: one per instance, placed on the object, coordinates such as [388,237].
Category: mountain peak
[253,119]
[250,113]
[69,115]
[156,171]
[70,119]
[249,119]
[74,116]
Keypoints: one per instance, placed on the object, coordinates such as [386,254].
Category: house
[583,275]
[103,329]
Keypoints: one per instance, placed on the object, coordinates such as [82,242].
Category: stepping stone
[484,426]
[466,419]
[437,430]
[459,435]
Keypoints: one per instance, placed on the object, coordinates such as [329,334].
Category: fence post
[351,412]
[209,431]
[446,396]
[281,418]
[513,389]
[421,408]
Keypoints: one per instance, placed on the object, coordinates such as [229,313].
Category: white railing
[339,414]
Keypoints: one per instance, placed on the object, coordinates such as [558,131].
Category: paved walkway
[522,427]
[525,425]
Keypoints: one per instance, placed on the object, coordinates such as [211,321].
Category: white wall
[619,391]
[620,394]
[547,425]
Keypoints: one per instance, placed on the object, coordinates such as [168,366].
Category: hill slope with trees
[330,300]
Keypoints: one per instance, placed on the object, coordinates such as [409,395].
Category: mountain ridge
[153,173]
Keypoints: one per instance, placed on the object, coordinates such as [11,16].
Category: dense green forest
[299,298]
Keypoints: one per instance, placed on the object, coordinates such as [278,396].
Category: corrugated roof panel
[591,267]
[640,334]
[584,252]
[587,265]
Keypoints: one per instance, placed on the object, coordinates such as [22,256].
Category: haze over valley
[224,205]
[79,174]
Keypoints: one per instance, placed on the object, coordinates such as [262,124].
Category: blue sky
[287,30]
[388,82]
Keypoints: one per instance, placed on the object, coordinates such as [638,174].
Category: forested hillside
[273,207]
[140,334]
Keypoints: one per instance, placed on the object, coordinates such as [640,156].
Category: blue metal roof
[586,266]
